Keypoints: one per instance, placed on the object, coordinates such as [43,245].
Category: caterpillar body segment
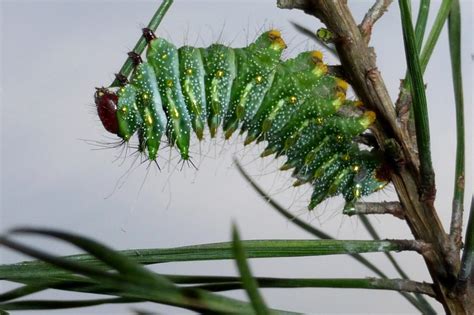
[293,105]
[283,91]
[128,116]
[220,67]
[192,74]
[163,56]
[150,107]
[256,66]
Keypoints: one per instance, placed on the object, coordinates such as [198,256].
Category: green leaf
[433,37]
[23,291]
[420,108]
[214,251]
[342,283]
[248,282]
[421,20]
[454,31]
[53,304]
[103,253]
[134,288]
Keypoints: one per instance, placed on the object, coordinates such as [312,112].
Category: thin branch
[394,208]
[374,13]
[141,44]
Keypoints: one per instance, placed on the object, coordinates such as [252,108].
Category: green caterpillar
[293,105]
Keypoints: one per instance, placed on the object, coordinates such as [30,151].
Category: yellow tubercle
[317,56]
[358,104]
[274,34]
[368,118]
[320,69]
[258,79]
[340,98]
[219,73]
[343,85]
[277,41]
[293,99]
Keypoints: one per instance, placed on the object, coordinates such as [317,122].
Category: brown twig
[394,208]
[374,13]
[421,216]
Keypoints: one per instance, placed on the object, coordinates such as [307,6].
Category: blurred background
[55,174]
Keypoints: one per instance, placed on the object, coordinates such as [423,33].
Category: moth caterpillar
[293,105]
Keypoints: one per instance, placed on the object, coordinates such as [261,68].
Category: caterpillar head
[106,103]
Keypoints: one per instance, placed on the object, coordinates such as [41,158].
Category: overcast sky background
[54,53]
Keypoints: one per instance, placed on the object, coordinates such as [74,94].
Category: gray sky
[53,55]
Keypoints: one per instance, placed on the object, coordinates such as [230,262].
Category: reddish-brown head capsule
[106,103]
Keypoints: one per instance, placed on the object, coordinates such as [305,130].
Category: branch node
[394,208]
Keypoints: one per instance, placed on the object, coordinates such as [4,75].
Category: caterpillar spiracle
[294,105]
